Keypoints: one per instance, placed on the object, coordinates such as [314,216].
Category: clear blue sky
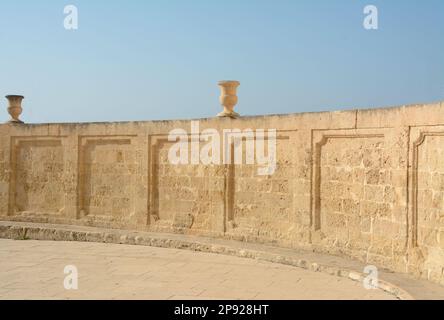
[142,60]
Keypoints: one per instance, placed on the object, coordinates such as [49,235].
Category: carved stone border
[156,141]
[83,141]
[319,139]
[418,136]
[15,145]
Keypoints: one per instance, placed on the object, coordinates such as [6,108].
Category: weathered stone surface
[365,184]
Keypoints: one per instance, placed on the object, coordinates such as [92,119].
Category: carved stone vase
[15,108]
[228,98]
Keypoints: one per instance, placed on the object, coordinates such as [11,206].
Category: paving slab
[276,260]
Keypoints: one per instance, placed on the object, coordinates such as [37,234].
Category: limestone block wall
[368,184]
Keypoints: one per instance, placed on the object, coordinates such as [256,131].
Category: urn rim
[232,82]
[14,96]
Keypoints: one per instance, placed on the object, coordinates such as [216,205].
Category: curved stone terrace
[118,264]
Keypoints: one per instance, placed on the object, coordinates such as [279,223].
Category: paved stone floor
[35,270]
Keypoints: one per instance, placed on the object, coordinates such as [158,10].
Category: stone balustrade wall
[368,184]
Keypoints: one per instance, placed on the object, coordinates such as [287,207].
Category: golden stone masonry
[366,184]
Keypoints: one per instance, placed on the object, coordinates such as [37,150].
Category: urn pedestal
[15,108]
[228,98]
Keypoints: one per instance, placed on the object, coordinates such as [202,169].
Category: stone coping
[403,286]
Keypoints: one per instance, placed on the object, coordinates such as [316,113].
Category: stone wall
[368,184]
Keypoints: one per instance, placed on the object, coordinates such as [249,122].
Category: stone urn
[228,98]
[15,108]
